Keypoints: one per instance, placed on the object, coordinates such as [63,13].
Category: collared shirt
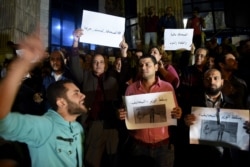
[56,76]
[214,104]
[150,135]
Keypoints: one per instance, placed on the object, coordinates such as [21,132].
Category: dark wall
[236,14]
[130,8]
[91,5]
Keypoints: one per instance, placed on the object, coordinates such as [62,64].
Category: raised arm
[77,34]
[33,52]
[124,48]
[74,62]
[126,70]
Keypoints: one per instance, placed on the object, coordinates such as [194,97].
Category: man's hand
[37,97]
[122,113]
[77,34]
[176,113]
[247,126]
[192,49]
[161,64]
[124,48]
[33,51]
[189,119]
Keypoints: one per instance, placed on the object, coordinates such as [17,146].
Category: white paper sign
[102,29]
[175,39]
[149,110]
[220,128]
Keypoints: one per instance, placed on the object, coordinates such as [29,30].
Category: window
[55,28]
[211,11]
[68,26]
[65,17]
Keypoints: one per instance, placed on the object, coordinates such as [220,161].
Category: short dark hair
[149,56]
[221,58]
[55,90]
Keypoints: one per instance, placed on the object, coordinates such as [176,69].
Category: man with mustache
[214,98]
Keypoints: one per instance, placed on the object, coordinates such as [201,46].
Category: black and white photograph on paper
[222,132]
[219,127]
[149,110]
[150,114]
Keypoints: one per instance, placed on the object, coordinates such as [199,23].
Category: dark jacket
[209,155]
[88,83]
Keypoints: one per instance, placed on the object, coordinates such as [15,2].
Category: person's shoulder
[166,84]
[163,82]
[173,16]
[131,88]
[162,17]
[169,66]
[228,102]
[47,80]
[189,68]
[110,75]
[134,84]
[239,80]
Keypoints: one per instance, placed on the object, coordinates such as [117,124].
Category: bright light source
[185,22]
[58,27]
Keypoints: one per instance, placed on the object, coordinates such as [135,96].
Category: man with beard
[214,98]
[234,87]
[59,71]
[212,95]
[55,138]
[188,92]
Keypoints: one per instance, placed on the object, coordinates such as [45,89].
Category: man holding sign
[152,143]
[219,155]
